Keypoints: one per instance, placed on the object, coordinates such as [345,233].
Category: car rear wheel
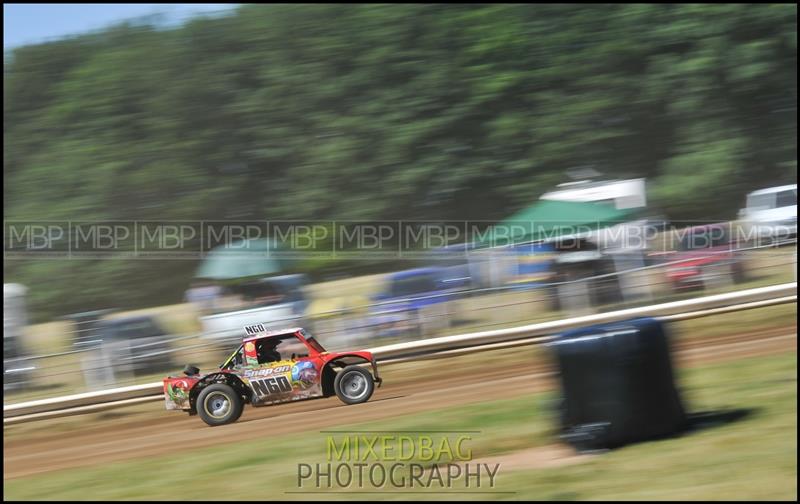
[353,385]
[219,404]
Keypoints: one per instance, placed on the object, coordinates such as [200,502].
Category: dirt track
[158,432]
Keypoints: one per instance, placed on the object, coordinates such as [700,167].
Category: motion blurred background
[388,173]
[661,117]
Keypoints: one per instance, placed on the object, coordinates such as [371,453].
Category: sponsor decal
[304,374]
[177,394]
[250,357]
[248,373]
[284,381]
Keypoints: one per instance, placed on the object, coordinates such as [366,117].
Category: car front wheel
[219,404]
[353,385]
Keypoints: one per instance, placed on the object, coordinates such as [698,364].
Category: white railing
[428,348]
[117,365]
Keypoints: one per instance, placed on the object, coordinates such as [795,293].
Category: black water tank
[617,384]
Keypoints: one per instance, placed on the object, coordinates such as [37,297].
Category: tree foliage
[390,112]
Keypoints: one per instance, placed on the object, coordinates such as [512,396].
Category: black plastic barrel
[617,385]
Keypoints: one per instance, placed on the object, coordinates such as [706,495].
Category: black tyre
[236,417]
[219,404]
[353,385]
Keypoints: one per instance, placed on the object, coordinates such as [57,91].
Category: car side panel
[283,381]
[177,390]
[361,354]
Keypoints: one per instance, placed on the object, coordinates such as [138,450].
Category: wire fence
[103,364]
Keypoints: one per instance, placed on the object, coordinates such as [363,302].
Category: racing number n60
[268,386]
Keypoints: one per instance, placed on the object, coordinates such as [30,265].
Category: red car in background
[707,256]
[272,367]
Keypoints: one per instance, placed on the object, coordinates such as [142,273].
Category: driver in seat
[265,351]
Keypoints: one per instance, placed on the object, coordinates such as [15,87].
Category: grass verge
[753,458]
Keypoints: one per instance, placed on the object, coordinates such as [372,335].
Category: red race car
[707,256]
[271,367]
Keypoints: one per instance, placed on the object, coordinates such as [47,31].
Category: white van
[17,367]
[277,300]
[772,212]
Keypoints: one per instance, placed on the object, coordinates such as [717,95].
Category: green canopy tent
[523,245]
[549,220]
[243,259]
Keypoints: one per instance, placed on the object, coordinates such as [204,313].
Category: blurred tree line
[386,112]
